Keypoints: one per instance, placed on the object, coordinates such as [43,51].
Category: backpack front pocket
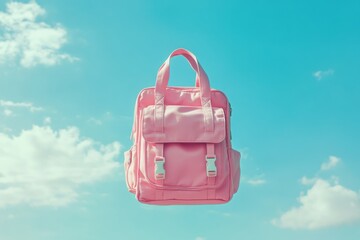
[183,148]
[185,164]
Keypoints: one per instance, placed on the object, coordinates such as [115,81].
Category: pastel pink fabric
[182,151]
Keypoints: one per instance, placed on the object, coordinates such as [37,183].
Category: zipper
[230,109]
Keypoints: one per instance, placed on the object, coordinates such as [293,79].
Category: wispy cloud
[95,121]
[320,74]
[221,213]
[102,119]
[29,41]
[200,238]
[256,181]
[307,181]
[54,164]
[47,120]
[8,112]
[27,105]
[244,153]
[331,163]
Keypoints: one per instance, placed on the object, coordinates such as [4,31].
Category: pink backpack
[182,143]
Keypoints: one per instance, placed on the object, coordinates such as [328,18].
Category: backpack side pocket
[236,169]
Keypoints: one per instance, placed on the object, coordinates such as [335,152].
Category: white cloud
[256,181]
[44,167]
[322,74]
[47,120]
[29,41]
[95,121]
[27,105]
[8,112]
[199,238]
[324,205]
[331,163]
[307,181]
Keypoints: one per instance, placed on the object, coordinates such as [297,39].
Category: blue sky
[70,72]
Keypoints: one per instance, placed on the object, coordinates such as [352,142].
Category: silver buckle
[211,170]
[159,168]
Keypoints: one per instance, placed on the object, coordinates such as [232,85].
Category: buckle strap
[211,170]
[159,167]
[159,161]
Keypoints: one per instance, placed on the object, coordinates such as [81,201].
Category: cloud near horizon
[325,204]
[44,167]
